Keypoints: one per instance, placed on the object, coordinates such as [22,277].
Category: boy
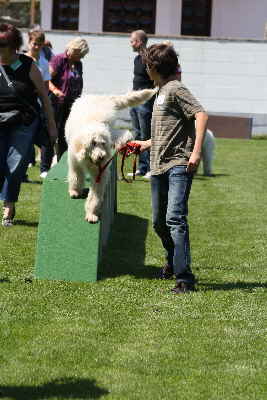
[175,147]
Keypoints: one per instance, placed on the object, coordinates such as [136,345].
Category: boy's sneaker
[183,287]
[166,272]
[147,175]
[137,173]
[43,175]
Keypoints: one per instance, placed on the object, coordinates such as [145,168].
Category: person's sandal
[6,222]
[8,216]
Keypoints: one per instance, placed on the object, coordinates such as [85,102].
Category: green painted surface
[67,246]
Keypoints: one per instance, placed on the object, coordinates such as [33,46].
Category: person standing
[175,154]
[21,96]
[66,85]
[36,44]
[141,115]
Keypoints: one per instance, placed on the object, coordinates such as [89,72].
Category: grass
[127,336]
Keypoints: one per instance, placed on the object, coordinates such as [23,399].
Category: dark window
[129,15]
[196,17]
[66,14]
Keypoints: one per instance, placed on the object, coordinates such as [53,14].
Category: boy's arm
[145,144]
[201,126]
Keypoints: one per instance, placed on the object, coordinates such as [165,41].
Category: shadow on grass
[25,223]
[29,181]
[233,285]
[125,253]
[63,388]
[5,280]
[206,177]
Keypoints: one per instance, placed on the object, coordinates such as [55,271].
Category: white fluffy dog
[91,136]
[208,153]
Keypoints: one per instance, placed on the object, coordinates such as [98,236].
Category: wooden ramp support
[68,247]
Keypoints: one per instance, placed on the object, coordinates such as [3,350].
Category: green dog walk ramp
[68,247]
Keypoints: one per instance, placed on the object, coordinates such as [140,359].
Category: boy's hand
[144,144]
[193,162]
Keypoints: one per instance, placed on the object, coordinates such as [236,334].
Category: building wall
[168,17]
[239,18]
[230,19]
[46,7]
[91,16]
[226,76]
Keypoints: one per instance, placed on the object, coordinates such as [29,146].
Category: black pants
[47,154]
[62,111]
[42,140]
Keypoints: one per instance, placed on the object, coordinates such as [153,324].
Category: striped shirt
[172,127]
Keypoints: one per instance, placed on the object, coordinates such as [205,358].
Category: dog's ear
[79,149]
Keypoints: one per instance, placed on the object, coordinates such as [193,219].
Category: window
[196,17]
[129,15]
[66,14]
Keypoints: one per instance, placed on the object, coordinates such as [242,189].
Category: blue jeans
[170,193]
[15,145]
[141,122]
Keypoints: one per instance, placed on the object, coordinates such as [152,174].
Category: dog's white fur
[91,136]
[208,148]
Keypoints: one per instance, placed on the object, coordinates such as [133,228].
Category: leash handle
[127,150]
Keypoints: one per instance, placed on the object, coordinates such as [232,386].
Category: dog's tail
[133,99]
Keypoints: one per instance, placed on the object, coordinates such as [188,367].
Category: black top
[18,73]
[141,79]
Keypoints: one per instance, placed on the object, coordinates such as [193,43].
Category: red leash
[126,151]
[102,169]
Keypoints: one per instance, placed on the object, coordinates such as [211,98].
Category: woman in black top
[16,139]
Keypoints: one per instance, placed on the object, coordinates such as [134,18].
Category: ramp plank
[67,245]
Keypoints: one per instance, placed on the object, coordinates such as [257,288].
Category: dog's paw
[92,218]
[75,194]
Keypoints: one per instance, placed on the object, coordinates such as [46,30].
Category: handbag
[13,117]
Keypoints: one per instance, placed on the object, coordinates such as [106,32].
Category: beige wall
[168,17]
[46,7]
[91,16]
[239,18]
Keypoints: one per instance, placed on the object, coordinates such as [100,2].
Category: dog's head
[94,144]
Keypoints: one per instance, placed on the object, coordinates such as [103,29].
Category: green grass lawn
[127,336]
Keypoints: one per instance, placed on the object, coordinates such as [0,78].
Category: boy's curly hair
[162,57]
